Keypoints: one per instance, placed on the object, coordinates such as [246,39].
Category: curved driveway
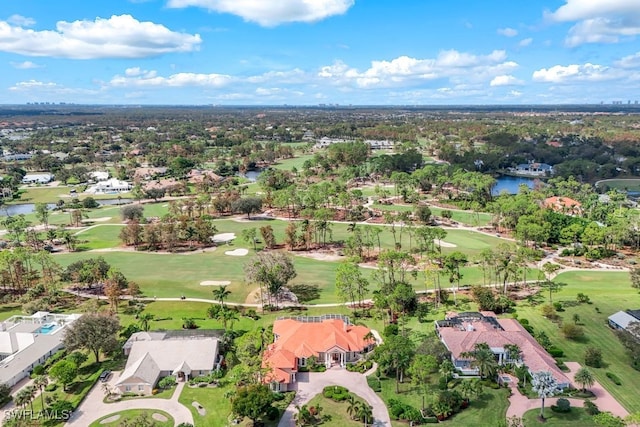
[93,408]
[310,384]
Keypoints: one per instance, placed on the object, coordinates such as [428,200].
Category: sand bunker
[159,417]
[199,408]
[237,252]
[444,244]
[215,283]
[111,419]
[101,219]
[223,237]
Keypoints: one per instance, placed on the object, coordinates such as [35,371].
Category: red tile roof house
[331,339]
[563,205]
[460,332]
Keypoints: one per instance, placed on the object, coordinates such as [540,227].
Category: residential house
[149,173]
[155,355]
[460,332]
[534,169]
[98,176]
[37,178]
[110,186]
[329,339]
[27,341]
[564,205]
[197,176]
[622,319]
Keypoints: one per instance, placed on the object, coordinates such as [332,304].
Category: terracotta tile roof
[295,339]
[562,203]
[463,339]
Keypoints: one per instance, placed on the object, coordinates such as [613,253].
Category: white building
[110,186]
[27,341]
[37,178]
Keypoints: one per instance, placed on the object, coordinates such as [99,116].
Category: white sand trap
[101,219]
[159,417]
[215,283]
[223,237]
[199,408]
[111,419]
[444,244]
[237,252]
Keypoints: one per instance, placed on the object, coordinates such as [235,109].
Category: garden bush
[51,387]
[555,352]
[374,383]
[336,393]
[561,406]
[591,408]
[593,357]
[572,331]
[613,377]
[37,370]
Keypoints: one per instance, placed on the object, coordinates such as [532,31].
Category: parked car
[104,376]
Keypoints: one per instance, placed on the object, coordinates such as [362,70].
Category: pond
[27,208]
[253,175]
[511,184]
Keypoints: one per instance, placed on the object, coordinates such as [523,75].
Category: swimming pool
[47,328]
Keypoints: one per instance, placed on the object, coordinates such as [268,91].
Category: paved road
[310,384]
[93,407]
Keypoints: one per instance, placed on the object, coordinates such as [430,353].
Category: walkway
[311,383]
[519,404]
[93,407]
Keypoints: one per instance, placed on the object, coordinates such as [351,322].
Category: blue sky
[307,52]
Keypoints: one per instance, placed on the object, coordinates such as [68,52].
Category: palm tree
[230,316]
[483,359]
[221,294]
[365,413]
[513,352]
[352,409]
[41,381]
[585,378]
[467,388]
[145,320]
[447,369]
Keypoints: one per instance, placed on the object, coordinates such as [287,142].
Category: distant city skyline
[301,52]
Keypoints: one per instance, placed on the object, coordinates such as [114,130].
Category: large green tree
[252,402]
[94,332]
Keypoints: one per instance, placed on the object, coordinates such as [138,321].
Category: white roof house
[37,178]
[109,186]
[153,355]
[27,341]
[621,320]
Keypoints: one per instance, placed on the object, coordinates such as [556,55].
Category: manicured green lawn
[463,217]
[334,413]
[131,414]
[576,417]
[8,310]
[609,292]
[53,194]
[296,162]
[101,236]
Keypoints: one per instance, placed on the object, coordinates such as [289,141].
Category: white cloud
[270,13]
[26,65]
[406,70]
[37,87]
[505,80]
[135,77]
[525,42]
[508,32]
[598,21]
[576,73]
[21,21]
[631,61]
[116,37]
[515,93]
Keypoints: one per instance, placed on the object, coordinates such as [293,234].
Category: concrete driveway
[93,408]
[310,384]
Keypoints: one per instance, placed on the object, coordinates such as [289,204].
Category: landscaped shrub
[336,393]
[555,352]
[572,331]
[362,366]
[391,330]
[591,408]
[593,357]
[375,384]
[562,366]
[562,405]
[558,306]
[51,387]
[37,370]
[167,382]
[613,377]
[401,411]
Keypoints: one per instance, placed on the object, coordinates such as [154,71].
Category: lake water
[511,184]
[252,175]
[27,208]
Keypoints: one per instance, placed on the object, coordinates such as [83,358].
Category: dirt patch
[253,297]
[159,417]
[215,283]
[111,419]
[237,252]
